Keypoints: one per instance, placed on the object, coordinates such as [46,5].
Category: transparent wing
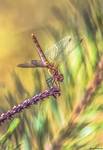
[67,44]
[26,65]
[32,64]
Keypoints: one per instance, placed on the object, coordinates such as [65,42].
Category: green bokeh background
[36,127]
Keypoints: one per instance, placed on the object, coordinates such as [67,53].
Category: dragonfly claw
[56,96]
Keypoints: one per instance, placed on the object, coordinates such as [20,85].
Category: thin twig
[54,91]
[87,99]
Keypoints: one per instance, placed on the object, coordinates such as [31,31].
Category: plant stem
[80,107]
[54,91]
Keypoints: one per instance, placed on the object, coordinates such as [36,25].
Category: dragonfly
[56,76]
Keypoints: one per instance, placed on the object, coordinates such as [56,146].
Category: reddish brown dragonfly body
[44,63]
[55,51]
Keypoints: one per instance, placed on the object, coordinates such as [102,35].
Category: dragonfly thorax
[60,77]
[55,72]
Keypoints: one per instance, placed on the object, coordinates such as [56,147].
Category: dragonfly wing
[73,45]
[67,45]
[32,64]
[26,65]
[38,63]
[57,48]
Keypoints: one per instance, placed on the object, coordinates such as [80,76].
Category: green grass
[41,124]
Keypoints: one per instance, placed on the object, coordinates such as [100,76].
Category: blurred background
[51,21]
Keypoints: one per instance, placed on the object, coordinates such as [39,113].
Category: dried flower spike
[54,91]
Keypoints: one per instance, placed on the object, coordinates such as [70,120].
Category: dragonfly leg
[57,84]
[49,82]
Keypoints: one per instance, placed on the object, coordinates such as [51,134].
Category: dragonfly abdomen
[40,51]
